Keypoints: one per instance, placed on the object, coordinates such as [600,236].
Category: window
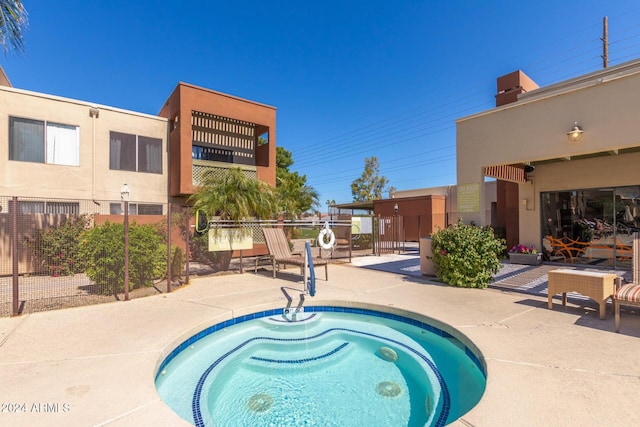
[144,209]
[41,207]
[592,225]
[62,207]
[43,142]
[136,209]
[135,153]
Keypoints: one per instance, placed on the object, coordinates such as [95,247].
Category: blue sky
[350,79]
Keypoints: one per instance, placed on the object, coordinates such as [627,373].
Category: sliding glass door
[590,226]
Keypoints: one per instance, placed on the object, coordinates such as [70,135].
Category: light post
[396,231]
[124,196]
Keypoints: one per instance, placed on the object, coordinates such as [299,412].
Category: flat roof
[365,205]
[577,83]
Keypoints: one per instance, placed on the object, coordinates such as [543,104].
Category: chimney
[511,85]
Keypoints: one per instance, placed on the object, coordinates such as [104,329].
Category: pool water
[321,368]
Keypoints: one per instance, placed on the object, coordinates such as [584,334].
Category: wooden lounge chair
[280,252]
[629,293]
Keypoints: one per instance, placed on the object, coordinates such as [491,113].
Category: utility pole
[605,42]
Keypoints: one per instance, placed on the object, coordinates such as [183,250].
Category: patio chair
[565,249]
[280,252]
[629,293]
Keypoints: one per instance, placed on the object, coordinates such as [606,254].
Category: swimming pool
[326,366]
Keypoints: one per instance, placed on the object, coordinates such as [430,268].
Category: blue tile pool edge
[477,359]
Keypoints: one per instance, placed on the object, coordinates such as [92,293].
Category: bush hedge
[57,248]
[102,249]
[465,255]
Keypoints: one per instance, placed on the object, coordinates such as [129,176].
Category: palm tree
[13,20]
[295,196]
[234,197]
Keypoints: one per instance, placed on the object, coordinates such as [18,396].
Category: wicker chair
[629,293]
[280,252]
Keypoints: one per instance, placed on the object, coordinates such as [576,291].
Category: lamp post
[396,227]
[124,196]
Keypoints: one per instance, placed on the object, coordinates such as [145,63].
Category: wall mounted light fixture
[575,133]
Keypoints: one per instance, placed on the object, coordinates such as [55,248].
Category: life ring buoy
[328,233]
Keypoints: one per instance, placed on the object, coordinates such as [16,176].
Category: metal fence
[58,253]
[63,253]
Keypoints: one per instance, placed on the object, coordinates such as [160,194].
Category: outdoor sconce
[124,193]
[395,209]
[575,133]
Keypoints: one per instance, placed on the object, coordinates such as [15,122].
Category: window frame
[31,207]
[43,147]
[134,208]
[141,164]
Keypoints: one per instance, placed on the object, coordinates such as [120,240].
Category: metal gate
[390,234]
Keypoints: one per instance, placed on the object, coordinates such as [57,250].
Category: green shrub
[177,261]
[56,248]
[102,249]
[465,255]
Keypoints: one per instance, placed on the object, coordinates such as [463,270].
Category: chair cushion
[629,293]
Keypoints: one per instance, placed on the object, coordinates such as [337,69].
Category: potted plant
[527,255]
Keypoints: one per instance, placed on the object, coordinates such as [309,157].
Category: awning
[513,173]
[366,205]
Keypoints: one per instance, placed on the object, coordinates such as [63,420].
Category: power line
[419,123]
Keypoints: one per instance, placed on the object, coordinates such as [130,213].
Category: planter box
[526,259]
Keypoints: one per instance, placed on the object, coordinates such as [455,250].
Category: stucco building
[65,157]
[209,130]
[67,150]
[64,149]
[566,159]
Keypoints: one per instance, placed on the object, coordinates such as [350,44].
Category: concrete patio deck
[95,365]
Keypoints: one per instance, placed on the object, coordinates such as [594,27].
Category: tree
[234,197]
[370,185]
[284,159]
[13,20]
[330,203]
[294,195]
